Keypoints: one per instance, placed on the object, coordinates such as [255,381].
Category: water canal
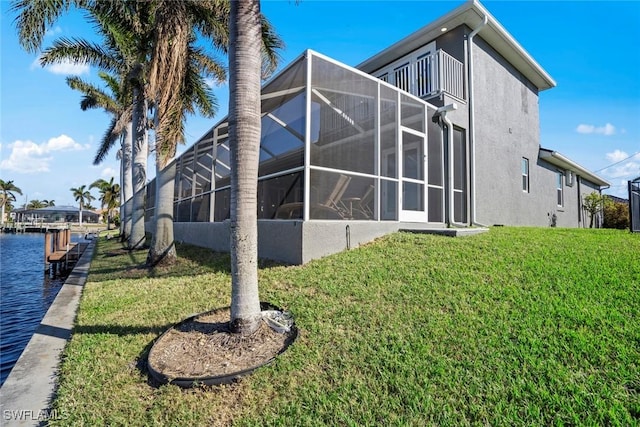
[25,294]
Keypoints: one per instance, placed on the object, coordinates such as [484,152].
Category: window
[559,189]
[525,174]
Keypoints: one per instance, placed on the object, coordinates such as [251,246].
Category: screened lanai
[337,144]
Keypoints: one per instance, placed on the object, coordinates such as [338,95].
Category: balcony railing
[429,76]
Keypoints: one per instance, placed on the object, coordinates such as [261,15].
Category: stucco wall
[322,238]
[506,130]
[277,240]
[293,242]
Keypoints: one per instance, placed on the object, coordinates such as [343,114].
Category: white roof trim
[563,162]
[471,13]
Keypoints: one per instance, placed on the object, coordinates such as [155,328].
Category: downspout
[580,209]
[601,216]
[442,111]
[472,127]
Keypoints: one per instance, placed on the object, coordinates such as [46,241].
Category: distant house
[439,130]
[55,214]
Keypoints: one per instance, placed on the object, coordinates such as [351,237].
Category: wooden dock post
[47,250]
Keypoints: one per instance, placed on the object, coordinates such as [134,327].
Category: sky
[590,48]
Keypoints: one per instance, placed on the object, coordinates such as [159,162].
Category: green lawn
[518,326]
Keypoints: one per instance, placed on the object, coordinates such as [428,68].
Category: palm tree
[126,28]
[176,86]
[119,104]
[109,196]
[83,197]
[36,204]
[171,90]
[49,203]
[172,86]
[244,138]
[7,190]
[118,55]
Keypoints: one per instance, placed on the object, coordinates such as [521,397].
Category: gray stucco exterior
[506,124]
[507,129]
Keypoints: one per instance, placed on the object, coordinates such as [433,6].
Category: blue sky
[589,48]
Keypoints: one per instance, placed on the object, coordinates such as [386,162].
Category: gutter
[472,118]
[442,112]
[557,159]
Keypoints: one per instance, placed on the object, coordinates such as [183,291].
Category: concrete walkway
[25,396]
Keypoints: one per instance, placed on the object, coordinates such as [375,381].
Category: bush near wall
[616,215]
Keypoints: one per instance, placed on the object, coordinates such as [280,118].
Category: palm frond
[79,51]
[271,44]
[94,97]
[211,67]
[108,141]
[211,19]
[198,94]
[35,17]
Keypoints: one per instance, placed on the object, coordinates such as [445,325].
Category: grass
[519,326]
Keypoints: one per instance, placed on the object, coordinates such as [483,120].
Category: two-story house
[467,58]
[439,131]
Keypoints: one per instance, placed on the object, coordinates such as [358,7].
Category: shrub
[616,215]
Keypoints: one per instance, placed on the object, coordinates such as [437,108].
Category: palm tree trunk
[139,175]
[163,250]
[126,186]
[244,135]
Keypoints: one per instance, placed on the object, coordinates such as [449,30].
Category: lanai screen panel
[281,164]
[459,176]
[388,153]
[183,186]
[344,105]
[200,206]
[281,170]
[343,151]
[435,170]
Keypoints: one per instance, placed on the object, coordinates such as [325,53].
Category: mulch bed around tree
[204,349]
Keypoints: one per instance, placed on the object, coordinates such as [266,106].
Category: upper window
[559,188]
[525,174]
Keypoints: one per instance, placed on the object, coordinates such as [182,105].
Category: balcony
[428,76]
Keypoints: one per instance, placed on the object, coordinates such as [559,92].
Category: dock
[60,254]
[72,254]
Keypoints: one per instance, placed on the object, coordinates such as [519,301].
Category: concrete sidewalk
[25,396]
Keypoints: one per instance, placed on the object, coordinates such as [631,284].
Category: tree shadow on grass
[192,261]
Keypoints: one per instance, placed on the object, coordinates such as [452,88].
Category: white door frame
[411,215]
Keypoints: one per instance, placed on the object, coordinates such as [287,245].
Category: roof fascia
[559,160]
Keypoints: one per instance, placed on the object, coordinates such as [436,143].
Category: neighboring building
[439,130]
[55,214]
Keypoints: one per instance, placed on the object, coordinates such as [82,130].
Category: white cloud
[625,166]
[608,129]
[109,172]
[63,67]
[617,156]
[29,157]
[627,170]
